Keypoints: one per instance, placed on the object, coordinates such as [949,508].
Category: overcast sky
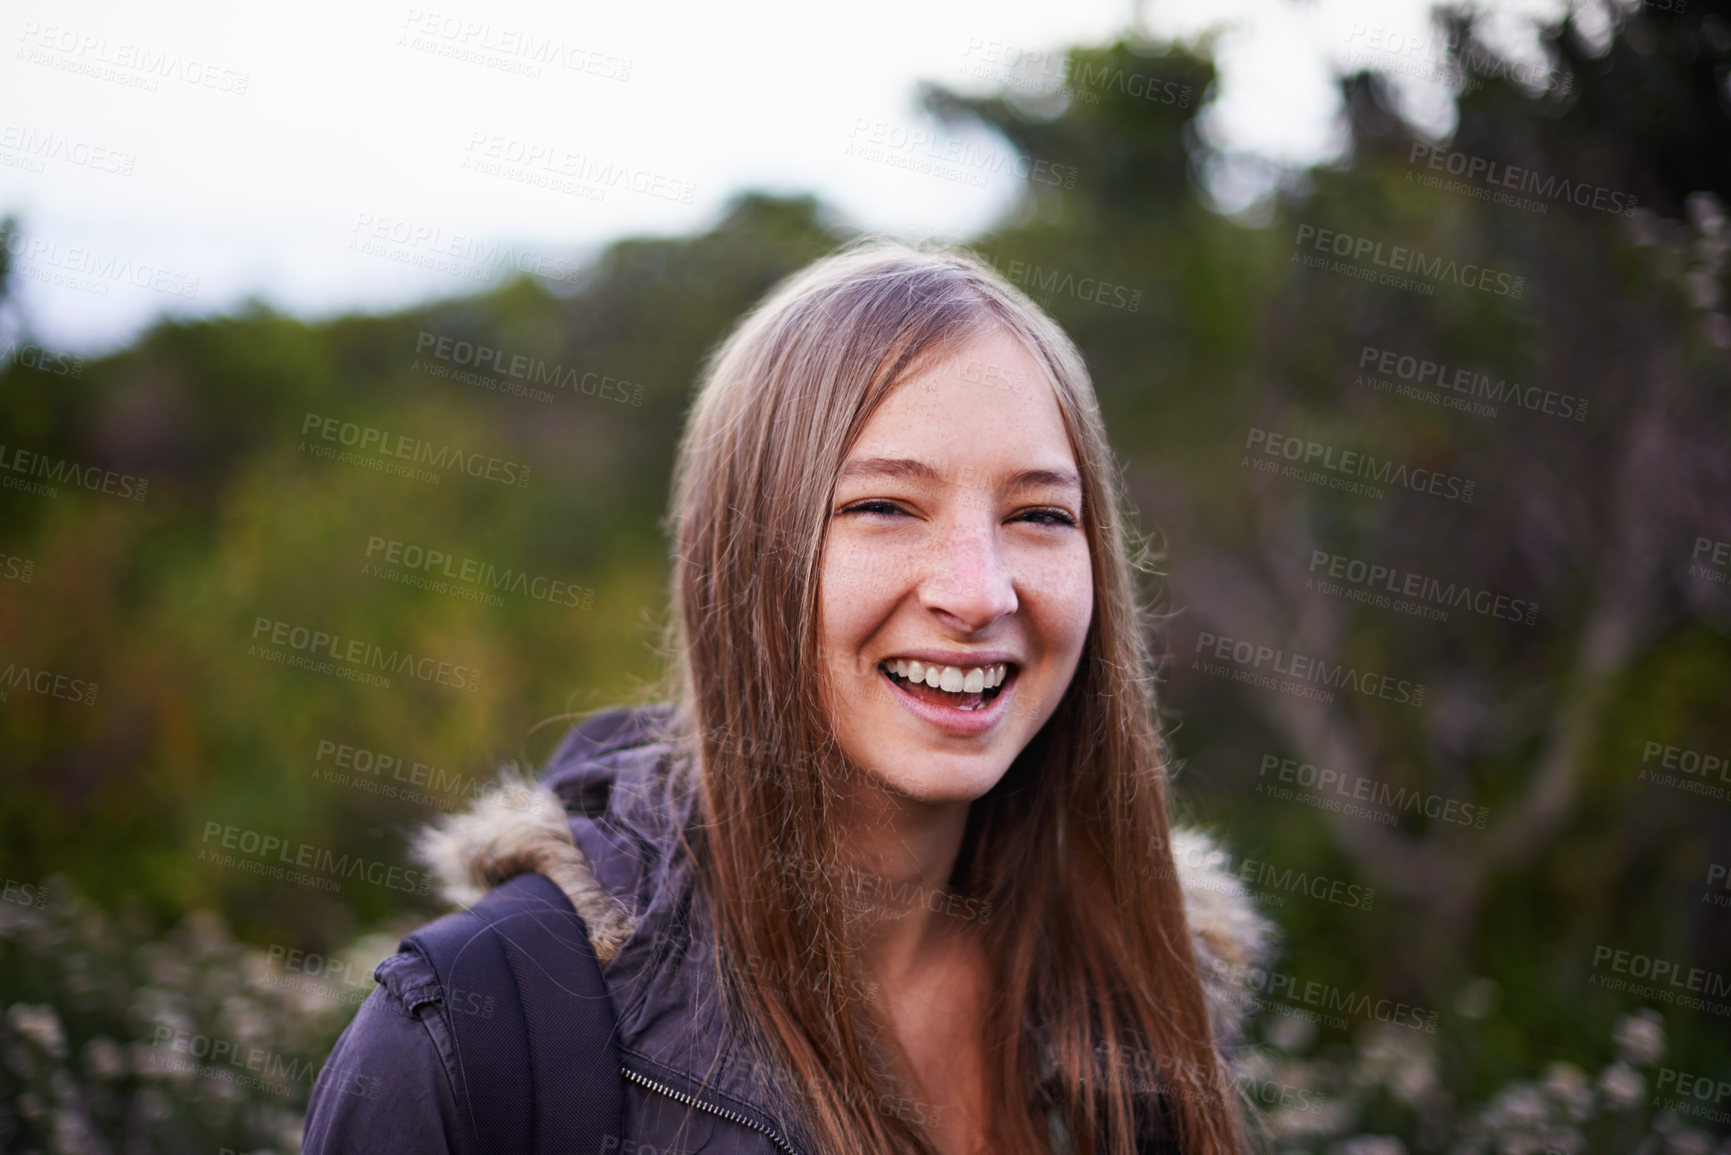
[181,156]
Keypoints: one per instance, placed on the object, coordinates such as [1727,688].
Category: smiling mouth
[956,699]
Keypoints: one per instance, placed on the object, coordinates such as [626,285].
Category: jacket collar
[604,825]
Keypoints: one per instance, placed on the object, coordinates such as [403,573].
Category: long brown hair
[1087,934]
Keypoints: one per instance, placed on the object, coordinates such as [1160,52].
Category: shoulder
[1231,938]
[523,825]
[520,825]
[388,1084]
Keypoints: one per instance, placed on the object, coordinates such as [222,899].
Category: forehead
[989,406]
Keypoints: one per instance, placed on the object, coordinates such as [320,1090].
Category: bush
[1385,1095]
[112,1041]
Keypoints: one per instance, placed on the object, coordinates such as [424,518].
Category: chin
[942,778]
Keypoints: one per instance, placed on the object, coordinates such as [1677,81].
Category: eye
[1050,516]
[876,506]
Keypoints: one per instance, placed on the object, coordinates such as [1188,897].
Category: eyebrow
[912,469]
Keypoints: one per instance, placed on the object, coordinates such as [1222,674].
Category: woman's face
[955,556]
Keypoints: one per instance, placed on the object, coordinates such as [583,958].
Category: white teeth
[950,678]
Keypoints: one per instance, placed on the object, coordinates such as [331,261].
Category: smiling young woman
[891,870]
[898,459]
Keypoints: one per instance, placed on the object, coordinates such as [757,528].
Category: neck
[904,852]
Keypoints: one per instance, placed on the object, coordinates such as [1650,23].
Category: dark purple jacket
[607,835]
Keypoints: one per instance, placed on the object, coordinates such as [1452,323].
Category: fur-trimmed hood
[596,826]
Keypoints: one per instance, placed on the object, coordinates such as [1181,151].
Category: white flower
[1705,211]
[1621,1085]
[1414,1080]
[1520,1106]
[1702,288]
[1289,1032]
[1567,1084]
[1690,1142]
[1640,1038]
[40,1025]
[208,932]
[104,1059]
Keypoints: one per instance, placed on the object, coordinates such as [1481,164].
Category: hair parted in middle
[1087,938]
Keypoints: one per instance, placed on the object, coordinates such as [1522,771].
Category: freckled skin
[956,564]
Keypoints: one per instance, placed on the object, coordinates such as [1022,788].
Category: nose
[969,583]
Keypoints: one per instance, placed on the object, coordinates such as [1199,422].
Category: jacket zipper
[693,1101]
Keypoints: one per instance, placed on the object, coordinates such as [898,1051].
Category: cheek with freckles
[858,574]
[1057,601]
[1060,600]
[863,584]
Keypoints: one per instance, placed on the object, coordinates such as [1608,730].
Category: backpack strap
[532,1024]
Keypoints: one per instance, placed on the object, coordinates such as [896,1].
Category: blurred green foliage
[1213,328]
